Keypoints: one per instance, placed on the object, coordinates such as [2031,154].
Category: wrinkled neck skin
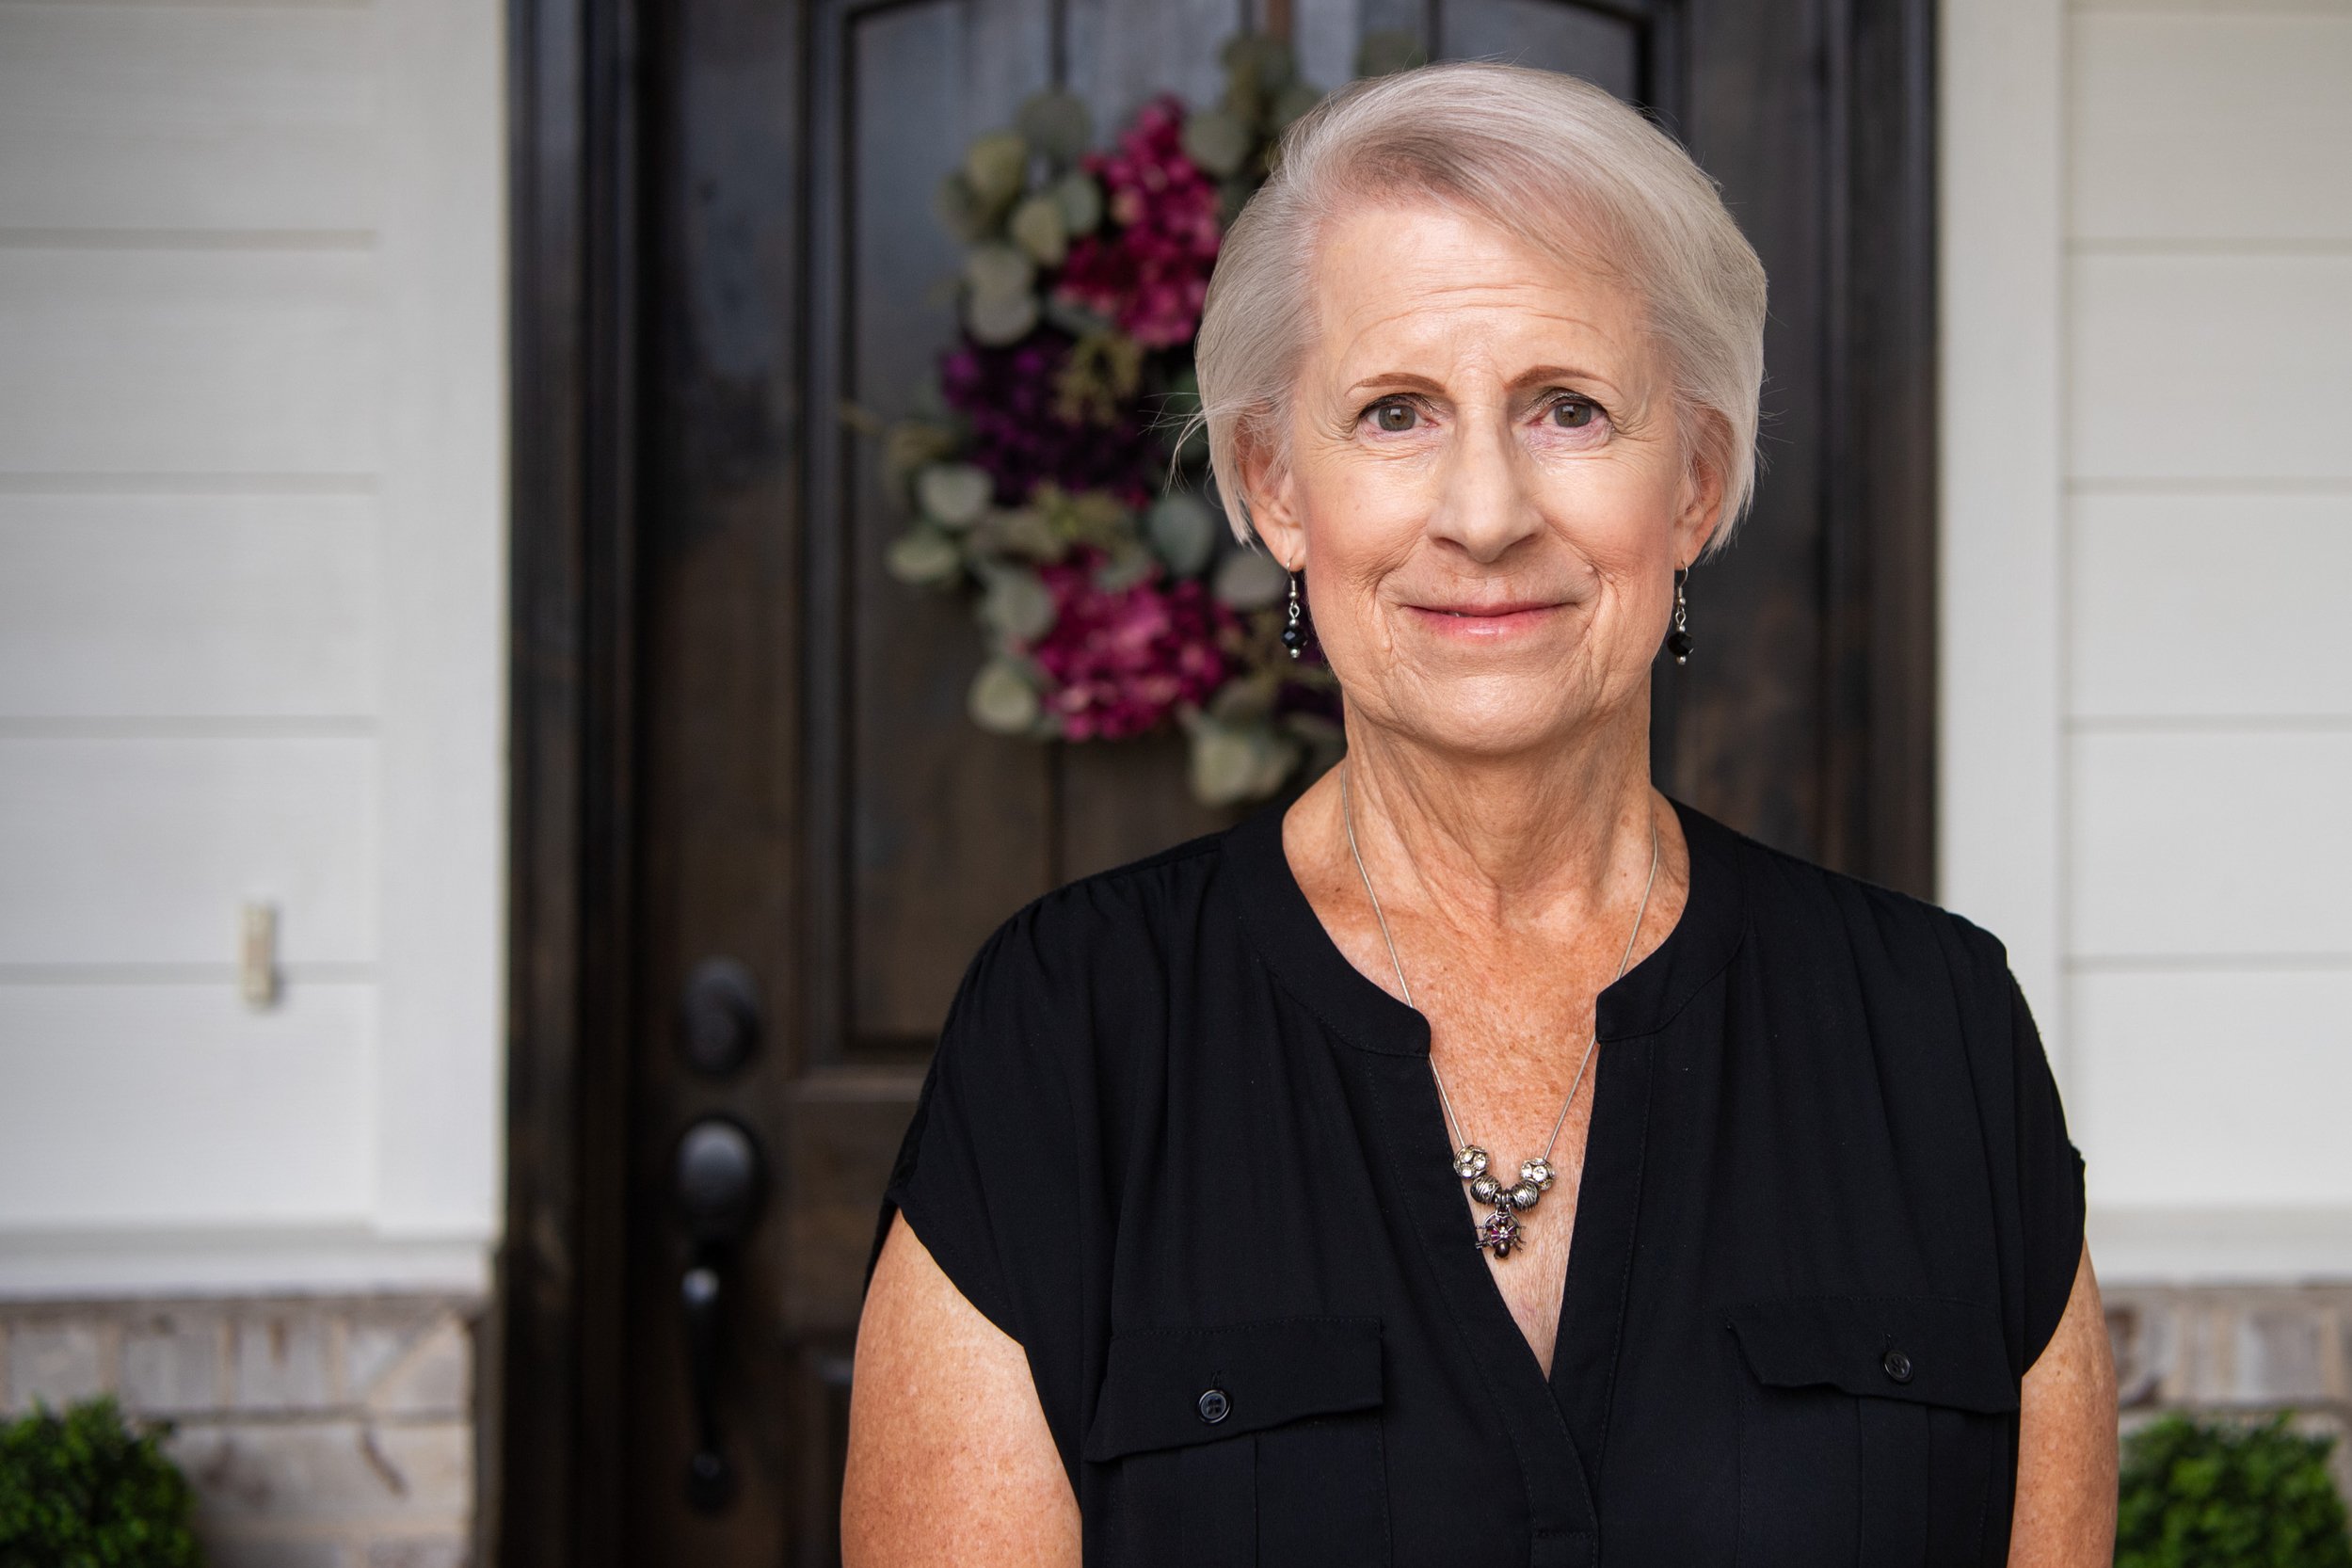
[1508,841]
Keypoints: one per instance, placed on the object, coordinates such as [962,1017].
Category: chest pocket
[1875,1430]
[1255,1442]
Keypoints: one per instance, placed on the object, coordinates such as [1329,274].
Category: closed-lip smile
[1501,619]
[1509,607]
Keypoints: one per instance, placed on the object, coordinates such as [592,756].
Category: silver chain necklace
[1499,1231]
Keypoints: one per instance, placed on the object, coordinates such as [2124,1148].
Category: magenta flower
[1007,396]
[1150,273]
[1119,662]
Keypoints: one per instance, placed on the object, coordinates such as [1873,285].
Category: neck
[1507,841]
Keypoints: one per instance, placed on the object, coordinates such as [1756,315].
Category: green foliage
[83,1490]
[2213,1494]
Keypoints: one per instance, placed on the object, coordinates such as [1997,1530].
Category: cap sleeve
[2049,1182]
[986,1170]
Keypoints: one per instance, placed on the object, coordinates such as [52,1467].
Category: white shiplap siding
[2207,357]
[183,121]
[252,568]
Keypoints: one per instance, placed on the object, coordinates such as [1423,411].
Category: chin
[1496,719]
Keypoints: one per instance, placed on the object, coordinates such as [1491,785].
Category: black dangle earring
[1293,634]
[1679,640]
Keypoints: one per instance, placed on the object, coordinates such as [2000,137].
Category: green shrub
[83,1490]
[2215,1495]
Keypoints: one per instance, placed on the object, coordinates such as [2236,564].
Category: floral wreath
[1050,482]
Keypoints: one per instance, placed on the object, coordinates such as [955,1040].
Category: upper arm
[949,1455]
[2065,1442]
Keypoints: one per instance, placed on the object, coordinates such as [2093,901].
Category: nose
[1485,504]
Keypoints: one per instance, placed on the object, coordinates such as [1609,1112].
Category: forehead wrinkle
[1432,347]
[1439,299]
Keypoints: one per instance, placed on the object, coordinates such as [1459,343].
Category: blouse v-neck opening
[1568,1405]
[1286,930]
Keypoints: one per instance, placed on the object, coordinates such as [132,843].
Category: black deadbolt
[717,1178]
[718,1016]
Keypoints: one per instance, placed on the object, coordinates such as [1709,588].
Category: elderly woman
[1484,1159]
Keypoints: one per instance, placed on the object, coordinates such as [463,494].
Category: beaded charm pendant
[1499,1232]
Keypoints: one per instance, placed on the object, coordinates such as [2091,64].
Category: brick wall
[318,1431]
[339,1432]
[2219,1349]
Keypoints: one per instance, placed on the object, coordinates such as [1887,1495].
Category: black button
[1897,1365]
[1215,1407]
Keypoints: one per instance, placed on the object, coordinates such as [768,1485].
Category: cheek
[1360,522]
[1618,517]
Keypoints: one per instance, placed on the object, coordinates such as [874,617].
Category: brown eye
[1393,416]
[1572,413]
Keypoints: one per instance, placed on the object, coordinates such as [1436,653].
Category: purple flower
[1119,662]
[1007,396]
[1150,273]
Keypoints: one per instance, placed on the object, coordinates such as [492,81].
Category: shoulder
[1090,964]
[1813,934]
[1108,917]
[1808,918]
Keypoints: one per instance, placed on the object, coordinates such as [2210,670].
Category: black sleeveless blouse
[1180,1149]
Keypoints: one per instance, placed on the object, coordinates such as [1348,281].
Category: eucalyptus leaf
[1277,754]
[1186,442]
[954,495]
[1250,579]
[907,446]
[1222,765]
[1081,199]
[997,167]
[997,322]
[923,556]
[957,208]
[1231,764]
[998,272]
[1293,101]
[1128,564]
[1059,124]
[1037,228]
[1184,531]
[1016,605]
[1232,196]
[1314,729]
[1074,318]
[1025,531]
[1002,699]
[1218,141]
[1261,59]
[1388,51]
[1324,742]
[1247,699]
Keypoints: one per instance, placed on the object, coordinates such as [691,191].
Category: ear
[1702,510]
[1272,490]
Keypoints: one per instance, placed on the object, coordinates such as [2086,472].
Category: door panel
[1603,48]
[739,737]
[899,91]
[952,829]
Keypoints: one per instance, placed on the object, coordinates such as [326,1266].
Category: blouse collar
[1286,930]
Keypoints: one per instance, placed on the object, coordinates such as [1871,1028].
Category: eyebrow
[1525,378]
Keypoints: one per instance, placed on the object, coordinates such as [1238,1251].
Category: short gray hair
[1552,159]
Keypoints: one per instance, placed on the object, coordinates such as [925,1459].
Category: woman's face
[1487,491]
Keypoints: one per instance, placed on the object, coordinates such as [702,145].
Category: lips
[1487,611]
[1486,623]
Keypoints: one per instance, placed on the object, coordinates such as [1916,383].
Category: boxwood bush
[86,1490]
[2222,1495]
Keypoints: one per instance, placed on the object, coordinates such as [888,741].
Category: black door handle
[718,1016]
[717,1182]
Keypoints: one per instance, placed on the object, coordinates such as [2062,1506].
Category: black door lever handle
[717,1184]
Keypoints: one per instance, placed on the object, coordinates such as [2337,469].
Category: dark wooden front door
[756,838]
